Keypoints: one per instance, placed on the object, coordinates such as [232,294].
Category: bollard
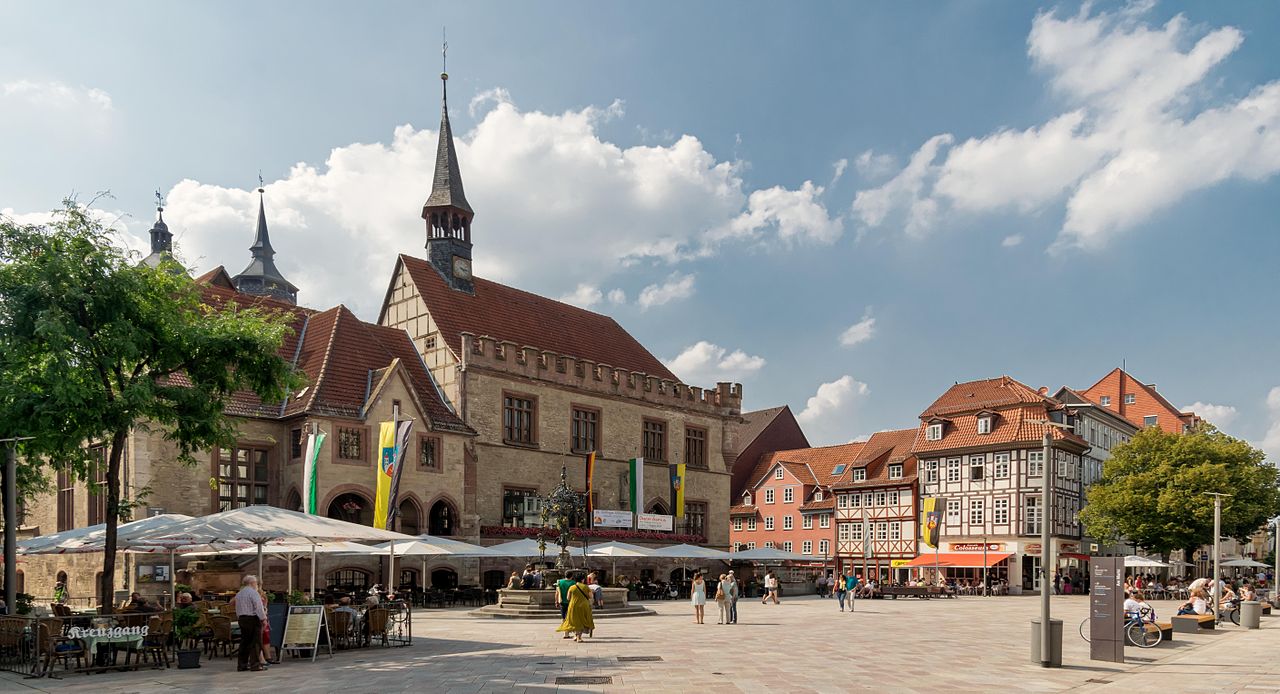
[1250,614]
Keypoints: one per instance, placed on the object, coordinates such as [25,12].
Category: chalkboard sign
[277,614]
[305,630]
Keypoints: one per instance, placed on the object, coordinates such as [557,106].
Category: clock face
[461,267]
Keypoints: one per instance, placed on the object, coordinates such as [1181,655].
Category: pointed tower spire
[447,212]
[261,277]
[161,237]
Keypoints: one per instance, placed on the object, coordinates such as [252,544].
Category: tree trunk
[106,589]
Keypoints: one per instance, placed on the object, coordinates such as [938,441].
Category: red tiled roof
[506,313]
[742,510]
[828,503]
[810,465]
[1011,425]
[883,448]
[1135,412]
[992,393]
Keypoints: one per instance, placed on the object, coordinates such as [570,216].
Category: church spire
[447,213]
[161,237]
[261,277]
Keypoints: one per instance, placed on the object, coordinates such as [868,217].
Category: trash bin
[1250,614]
[1055,642]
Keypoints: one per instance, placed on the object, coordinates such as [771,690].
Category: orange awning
[957,560]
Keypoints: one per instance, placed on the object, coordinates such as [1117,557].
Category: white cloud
[838,169]
[542,184]
[827,416]
[874,166]
[617,296]
[705,362]
[1220,416]
[586,296]
[1271,442]
[56,95]
[859,332]
[1012,240]
[129,233]
[1140,131]
[794,214]
[677,286]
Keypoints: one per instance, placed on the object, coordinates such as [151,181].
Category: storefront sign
[1072,547]
[977,546]
[895,563]
[601,518]
[653,521]
[1032,550]
[109,633]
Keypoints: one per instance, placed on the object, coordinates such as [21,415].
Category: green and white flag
[309,495]
[637,484]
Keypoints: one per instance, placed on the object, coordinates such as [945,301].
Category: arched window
[658,507]
[442,519]
[444,579]
[348,580]
[408,579]
[410,519]
[352,508]
[294,501]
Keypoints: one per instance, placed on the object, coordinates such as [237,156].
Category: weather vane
[444,50]
[260,181]
[159,200]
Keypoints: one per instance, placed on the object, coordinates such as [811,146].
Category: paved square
[804,645]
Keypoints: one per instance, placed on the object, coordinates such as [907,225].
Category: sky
[845,206]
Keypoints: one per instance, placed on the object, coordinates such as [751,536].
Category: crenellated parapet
[585,375]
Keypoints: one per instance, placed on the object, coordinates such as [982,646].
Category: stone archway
[352,507]
[442,519]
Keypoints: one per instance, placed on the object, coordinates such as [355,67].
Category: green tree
[94,344]
[1152,491]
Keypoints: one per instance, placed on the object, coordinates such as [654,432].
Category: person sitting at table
[528,580]
[136,603]
[344,605]
[184,600]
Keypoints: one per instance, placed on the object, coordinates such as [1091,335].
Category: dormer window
[817,495]
[860,475]
[984,424]
[777,474]
[746,498]
[933,432]
[895,471]
[1105,400]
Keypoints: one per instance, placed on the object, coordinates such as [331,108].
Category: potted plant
[24,603]
[186,628]
[297,597]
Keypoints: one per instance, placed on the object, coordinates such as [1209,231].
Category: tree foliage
[1153,490]
[94,344]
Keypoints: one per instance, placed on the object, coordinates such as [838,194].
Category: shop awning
[1073,555]
[957,560]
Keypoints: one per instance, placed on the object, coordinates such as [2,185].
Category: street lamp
[1047,559]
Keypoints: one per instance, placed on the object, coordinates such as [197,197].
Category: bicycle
[1232,613]
[1135,629]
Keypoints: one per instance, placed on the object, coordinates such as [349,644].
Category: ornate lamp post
[559,509]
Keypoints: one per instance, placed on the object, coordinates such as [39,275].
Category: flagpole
[391,511]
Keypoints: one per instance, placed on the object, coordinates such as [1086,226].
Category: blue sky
[845,206]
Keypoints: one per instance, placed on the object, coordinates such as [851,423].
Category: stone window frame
[273,490]
[665,441]
[574,408]
[366,441]
[297,445]
[702,462]
[439,454]
[533,418]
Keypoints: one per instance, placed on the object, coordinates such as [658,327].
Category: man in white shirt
[251,614]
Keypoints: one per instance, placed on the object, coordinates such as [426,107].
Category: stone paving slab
[803,645]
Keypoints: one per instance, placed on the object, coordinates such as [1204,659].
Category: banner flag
[677,489]
[591,467]
[402,448]
[385,468]
[310,496]
[931,520]
[637,484]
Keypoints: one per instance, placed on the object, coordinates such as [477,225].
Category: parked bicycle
[1135,629]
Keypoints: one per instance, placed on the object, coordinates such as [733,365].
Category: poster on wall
[160,574]
[602,518]
[654,521]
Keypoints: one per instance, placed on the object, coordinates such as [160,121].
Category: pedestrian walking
[578,619]
[732,591]
[721,601]
[850,587]
[562,597]
[250,614]
[838,590]
[770,588]
[698,596]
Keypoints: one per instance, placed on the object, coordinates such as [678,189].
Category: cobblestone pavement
[804,645]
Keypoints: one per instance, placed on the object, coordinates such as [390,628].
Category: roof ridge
[324,363]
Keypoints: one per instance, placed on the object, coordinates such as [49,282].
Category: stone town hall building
[505,388]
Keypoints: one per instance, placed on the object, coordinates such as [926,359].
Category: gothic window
[66,501]
[585,429]
[518,419]
[243,477]
[429,457]
[655,440]
[695,447]
[351,443]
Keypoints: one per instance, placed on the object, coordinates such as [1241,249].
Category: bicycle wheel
[1139,635]
[1235,616]
[1084,629]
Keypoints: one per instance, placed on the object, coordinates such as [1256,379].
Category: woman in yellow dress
[578,618]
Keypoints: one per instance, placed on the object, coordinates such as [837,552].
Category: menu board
[304,628]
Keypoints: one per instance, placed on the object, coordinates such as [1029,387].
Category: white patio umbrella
[292,551]
[1137,561]
[691,552]
[767,554]
[1244,563]
[618,550]
[527,547]
[263,524]
[434,546]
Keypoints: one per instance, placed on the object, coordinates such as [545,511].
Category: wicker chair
[378,621]
[222,635]
[55,646]
[341,628]
[155,643]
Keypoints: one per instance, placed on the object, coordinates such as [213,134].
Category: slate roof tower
[161,238]
[447,213]
[261,277]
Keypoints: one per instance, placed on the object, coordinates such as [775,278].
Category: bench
[1165,628]
[922,592]
[1266,608]
[1192,623]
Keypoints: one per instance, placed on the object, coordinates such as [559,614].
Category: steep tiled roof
[742,510]
[828,503]
[506,313]
[753,423]
[1011,425]
[1119,382]
[993,393]
[882,449]
[809,465]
